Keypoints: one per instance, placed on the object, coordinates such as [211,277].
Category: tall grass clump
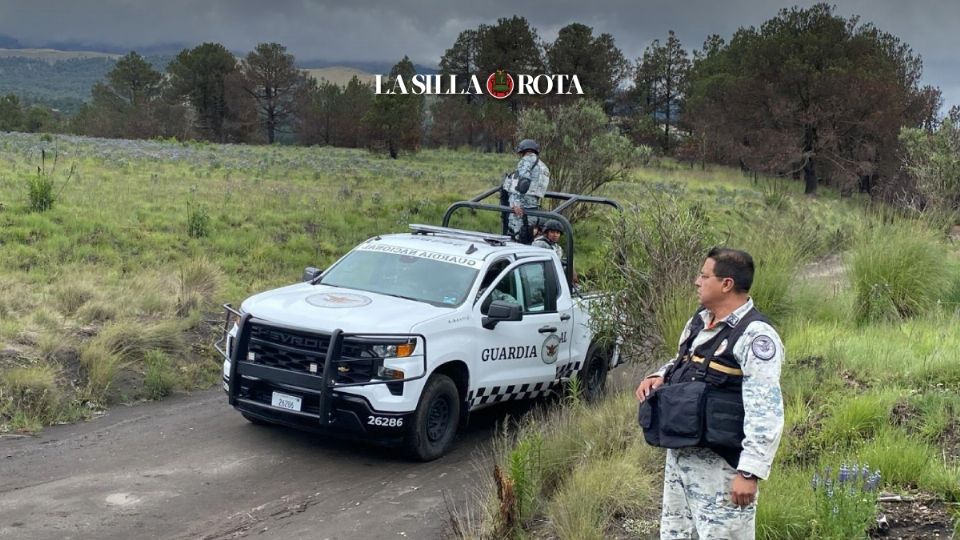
[159,380]
[898,270]
[554,457]
[856,418]
[779,248]
[588,501]
[29,396]
[198,284]
[121,344]
[71,295]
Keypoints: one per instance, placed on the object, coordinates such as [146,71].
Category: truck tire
[593,374]
[435,421]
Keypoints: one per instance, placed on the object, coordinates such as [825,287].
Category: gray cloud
[372,30]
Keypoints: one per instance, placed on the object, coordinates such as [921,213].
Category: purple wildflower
[873,482]
[845,473]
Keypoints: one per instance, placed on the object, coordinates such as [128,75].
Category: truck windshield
[405,276]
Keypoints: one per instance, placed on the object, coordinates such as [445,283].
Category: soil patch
[914,517]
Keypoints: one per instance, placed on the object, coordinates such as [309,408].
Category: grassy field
[111,295]
[868,303]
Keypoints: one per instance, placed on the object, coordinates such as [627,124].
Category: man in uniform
[550,239]
[525,188]
[710,492]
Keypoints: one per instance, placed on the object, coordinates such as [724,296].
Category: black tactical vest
[700,402]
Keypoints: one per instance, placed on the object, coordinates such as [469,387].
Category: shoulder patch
[763,347]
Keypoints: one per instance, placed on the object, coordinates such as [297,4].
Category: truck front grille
[296,350]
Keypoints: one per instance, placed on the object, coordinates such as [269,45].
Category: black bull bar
[322,384]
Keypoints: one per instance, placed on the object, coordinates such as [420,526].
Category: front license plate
[286,401]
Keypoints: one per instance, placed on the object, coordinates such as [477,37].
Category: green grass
[143,235]
[899,270]
[116,279]
[879,389]
[29,396]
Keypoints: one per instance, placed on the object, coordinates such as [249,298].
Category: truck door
[517,359]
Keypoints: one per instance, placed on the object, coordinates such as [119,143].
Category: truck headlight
[388,373]
[398,350]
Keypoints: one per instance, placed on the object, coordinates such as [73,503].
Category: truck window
[406,276]
[525,285]
[533,276]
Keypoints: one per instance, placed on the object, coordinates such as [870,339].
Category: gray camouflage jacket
[530,166]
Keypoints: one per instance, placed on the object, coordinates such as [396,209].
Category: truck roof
[453,242]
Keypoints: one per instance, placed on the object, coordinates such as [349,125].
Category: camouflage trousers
[696,499]
[515,225]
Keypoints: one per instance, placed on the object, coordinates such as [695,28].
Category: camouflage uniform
[544,242]
[530,166]
[697,481]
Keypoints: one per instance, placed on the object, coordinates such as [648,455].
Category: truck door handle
[565,317]
[547,329]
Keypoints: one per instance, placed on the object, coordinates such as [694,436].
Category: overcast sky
[372,30]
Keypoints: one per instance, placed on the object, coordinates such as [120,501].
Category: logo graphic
[550,349]
[763,347]
[339,300]
[500,84]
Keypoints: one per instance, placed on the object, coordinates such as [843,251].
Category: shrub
[898,270]
[655,253]
[40,192]
[198,221]
[578,146]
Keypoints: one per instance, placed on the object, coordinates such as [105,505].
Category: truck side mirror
[501,310]
[310,273]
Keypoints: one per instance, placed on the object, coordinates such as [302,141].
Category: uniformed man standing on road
[731,356]
[525,188]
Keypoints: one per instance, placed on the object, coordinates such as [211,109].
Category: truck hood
[324,308]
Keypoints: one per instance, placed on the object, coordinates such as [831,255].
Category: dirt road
[192,467]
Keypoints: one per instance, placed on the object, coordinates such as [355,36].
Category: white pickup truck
[407,333]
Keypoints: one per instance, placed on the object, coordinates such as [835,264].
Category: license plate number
[286,401]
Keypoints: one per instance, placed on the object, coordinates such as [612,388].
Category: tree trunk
[809,174]
[271,125]
[393,149]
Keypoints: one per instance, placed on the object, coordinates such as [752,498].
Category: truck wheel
[593,375]
[254,420]
[435,420]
